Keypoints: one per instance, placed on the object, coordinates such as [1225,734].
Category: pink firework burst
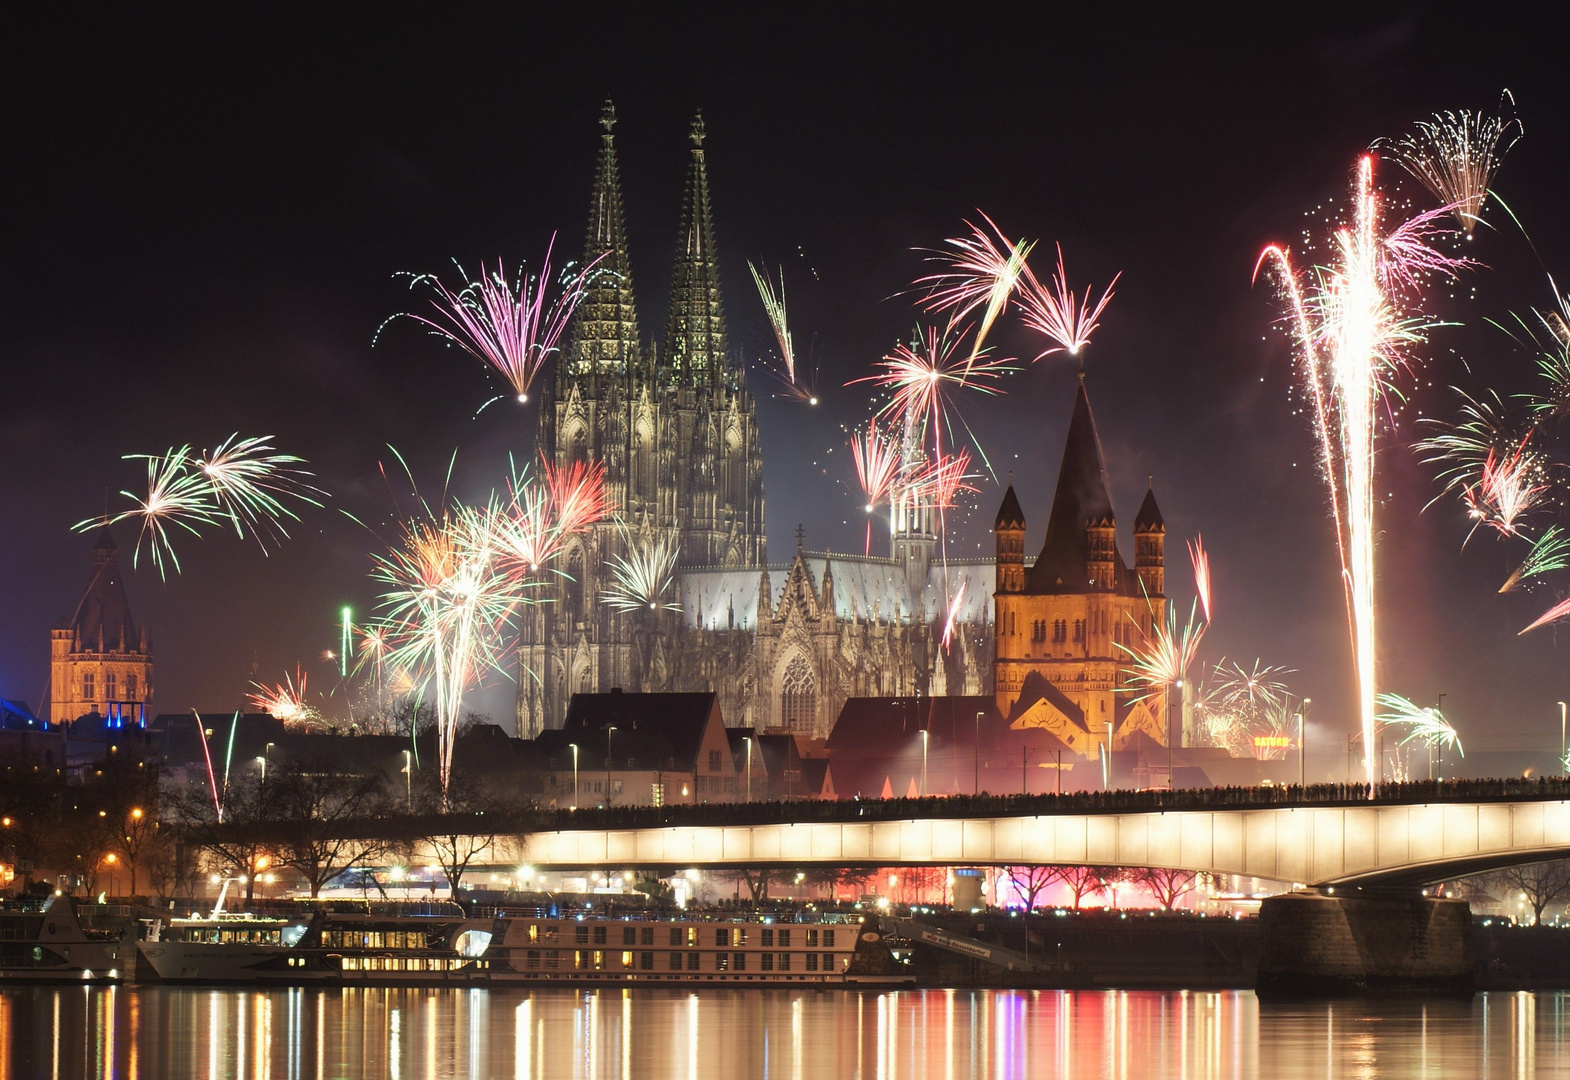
[1506,489]
[984,270]
[513,328]
[923,376]
[1063,317]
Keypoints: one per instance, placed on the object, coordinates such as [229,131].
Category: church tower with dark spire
[1065,632]
[100,661]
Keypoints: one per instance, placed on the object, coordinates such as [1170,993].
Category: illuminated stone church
[1065,624]
[677,430]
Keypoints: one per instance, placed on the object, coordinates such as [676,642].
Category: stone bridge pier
[1334,942]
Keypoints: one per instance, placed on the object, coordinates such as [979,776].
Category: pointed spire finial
[798,538]
[608,116]
[697,130]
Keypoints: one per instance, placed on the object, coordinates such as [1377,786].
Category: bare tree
[458,824]
[236,844]
[320,818]
[1539,884]
[1083,881]
[1031,881]
[1167,887]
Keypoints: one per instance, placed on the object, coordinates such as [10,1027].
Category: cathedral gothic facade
[677,430]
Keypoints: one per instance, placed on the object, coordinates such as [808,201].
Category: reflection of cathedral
[783,646]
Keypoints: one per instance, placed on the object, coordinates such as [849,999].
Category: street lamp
[609,731]
[267,752]
[748,740]
[1561,737]
[574,747]
[408,782]
[925,739]
[1302,747]
[975,783]
[1178,686]
[262,761]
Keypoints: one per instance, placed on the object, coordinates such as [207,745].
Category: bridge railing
[1080,802]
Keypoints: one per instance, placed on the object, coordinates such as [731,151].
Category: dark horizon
[204,219]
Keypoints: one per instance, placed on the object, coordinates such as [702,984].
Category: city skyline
[252,308]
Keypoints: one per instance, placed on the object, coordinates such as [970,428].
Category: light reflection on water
[315,1034]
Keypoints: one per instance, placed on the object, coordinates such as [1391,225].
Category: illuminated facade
[1064,625]
[100,661]
[676,428]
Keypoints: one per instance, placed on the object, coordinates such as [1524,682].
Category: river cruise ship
[47,943]
[532,946]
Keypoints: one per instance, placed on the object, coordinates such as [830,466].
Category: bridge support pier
[1319,944]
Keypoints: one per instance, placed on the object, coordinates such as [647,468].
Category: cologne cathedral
[677,430]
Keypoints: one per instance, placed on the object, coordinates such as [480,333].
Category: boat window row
[232,936]
[409,963]
[630,960]
[768,937]
[374,939]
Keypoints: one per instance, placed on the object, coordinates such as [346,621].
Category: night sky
[201,222]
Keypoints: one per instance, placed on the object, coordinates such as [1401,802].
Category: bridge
[1350,843]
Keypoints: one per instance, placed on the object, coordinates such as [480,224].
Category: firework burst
[1426,725]
[1058,314]
[1355,323]
[1163,657]
[984,271]
[1508,488]
[286,701]
[922,379]
[514,327]
[1455,156]
[878,467]
[243,484]
[645,575]
[1550,553]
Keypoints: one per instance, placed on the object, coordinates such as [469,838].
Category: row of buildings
[837,656]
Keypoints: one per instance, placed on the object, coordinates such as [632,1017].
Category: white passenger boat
[48,944]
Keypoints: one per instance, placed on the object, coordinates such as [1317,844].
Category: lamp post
[1171,738]
[924,740]
[574,747]
[408,782]
[975,783]
[1439,711]
[266,753]
[748,740]
[1302,747]
[1561,737]
[609,731]
[1024,774]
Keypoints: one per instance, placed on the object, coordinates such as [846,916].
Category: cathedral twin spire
[605,333]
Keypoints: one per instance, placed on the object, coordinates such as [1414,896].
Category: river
[161,1033]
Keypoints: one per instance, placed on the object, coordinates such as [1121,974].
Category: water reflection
[314,1034]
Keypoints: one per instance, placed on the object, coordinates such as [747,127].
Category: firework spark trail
[941,480]
[1427,725]
[953,614]
[1057,313]
[578,496]
[212,776]
[1355,317]
[514,329]
[1506,489]
[982,270]
[1550,552]
[1553,614]
[796,388]
[878,466]
[1455,155]
[644,575]
[242,483]
[1201,560]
